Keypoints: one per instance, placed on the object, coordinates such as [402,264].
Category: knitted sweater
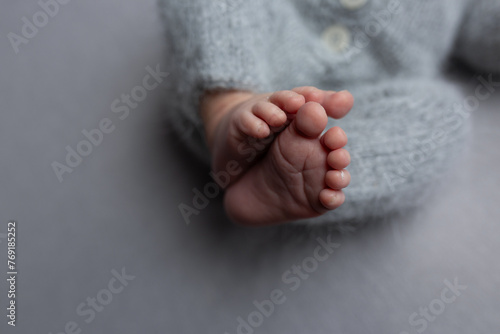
[403,130]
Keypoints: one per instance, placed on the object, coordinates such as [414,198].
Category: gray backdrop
[118,210]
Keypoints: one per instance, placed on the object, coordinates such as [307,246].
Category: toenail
[259,128]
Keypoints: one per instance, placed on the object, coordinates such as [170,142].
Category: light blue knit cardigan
[407,123]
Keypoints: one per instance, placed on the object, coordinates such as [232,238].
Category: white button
[337,37]
[353,4]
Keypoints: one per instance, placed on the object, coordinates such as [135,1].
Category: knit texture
[404,130]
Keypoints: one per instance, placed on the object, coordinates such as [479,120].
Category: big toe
[311,119]
[337,105]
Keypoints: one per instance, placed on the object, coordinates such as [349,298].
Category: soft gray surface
[119,209]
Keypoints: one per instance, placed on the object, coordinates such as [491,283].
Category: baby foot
[300,176]
[245,133]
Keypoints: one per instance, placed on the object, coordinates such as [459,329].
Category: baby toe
[287,100]
[269,113]
[339,159]
[253,126]
[337,179]
[311,94]
[331,199]
[311,120]
[334,138]
[337,105]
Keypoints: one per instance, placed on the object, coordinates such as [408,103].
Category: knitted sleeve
[478,42]
[210,45]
